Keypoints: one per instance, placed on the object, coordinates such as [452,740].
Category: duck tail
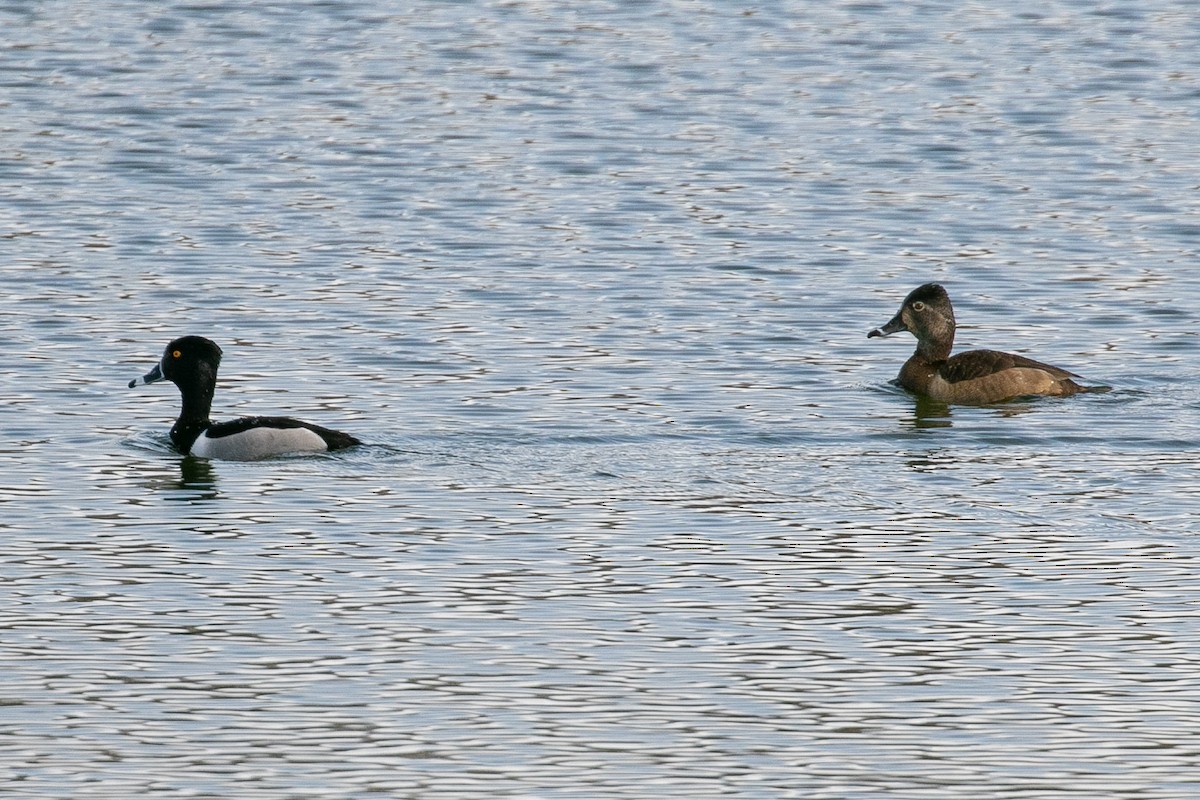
[1071,387]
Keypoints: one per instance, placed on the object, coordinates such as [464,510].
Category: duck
[191,362]
[972,377]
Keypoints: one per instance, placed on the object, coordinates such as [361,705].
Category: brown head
[927,314]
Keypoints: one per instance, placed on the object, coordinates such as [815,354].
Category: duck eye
[177,353]
[918,306]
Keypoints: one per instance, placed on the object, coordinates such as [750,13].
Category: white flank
[256,443]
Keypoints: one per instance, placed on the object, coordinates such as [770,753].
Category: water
[640,514]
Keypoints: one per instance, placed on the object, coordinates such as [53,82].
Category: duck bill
[894,325]
[153,376]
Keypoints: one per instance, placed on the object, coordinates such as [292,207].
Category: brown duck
[976,376]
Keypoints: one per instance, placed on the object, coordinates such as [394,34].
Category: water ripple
[639,512]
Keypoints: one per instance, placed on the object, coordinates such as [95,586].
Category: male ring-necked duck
[976,376]
[190,362]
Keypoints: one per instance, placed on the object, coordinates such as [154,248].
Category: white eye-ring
[918,306]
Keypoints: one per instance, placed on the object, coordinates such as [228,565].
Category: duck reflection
[928,414]
[932,414]
[196,482]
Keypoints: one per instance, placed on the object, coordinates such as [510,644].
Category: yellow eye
[177,353]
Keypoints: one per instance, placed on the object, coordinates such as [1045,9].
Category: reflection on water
[196,476]
[929,414]
[640,513]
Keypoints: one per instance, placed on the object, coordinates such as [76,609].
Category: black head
[928,315]
[189,362]
[189,355]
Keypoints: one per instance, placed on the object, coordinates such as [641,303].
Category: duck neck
[193,417]
[197,404]
[934,351]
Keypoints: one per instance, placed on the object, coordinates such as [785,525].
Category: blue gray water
[640,513]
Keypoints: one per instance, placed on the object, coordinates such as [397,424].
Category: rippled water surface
[640,514]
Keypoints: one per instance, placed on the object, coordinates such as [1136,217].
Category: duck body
[191,362]
[252,438]
[985,376]
[976,376]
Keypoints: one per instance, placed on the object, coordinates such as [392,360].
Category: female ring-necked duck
[976,376]
[190,362]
